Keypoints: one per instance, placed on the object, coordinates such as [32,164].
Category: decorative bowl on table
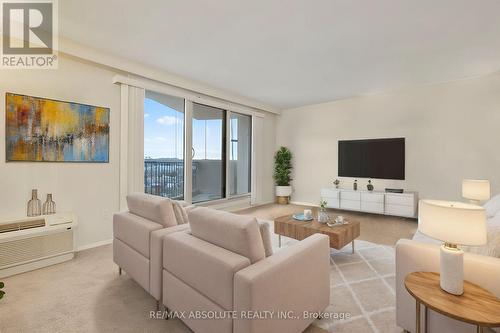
[301,217]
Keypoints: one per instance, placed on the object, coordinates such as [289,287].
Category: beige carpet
[87,295]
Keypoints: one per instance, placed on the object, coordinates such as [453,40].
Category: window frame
[188,145]
[228,161]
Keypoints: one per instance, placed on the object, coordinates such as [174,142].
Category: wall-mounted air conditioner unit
[34,242]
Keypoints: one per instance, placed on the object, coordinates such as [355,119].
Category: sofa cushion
[152,207]
[156,257]
[180,212]
[265,233]
[204,266]
[135,231]
[236,233]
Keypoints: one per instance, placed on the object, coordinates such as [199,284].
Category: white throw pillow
[492,247]
[493,229]
[492,206]
[180,212]
[494,222]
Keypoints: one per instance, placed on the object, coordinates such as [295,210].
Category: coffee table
[340,235]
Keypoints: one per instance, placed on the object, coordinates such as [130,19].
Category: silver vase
[49,206]
[323,216]
[34,205]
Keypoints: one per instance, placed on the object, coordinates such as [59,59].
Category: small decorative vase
[355,185]
[370,186]
[49,206]
[34,205]
[323,216]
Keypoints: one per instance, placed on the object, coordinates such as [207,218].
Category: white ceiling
[296,52]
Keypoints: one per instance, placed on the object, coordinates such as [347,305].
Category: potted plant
[282,174]
[1,291]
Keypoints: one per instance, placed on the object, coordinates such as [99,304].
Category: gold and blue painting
[46,130]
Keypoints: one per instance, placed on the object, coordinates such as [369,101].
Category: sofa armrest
[156,257]
[294,279]
[205,267]
[134,231]
[413,256]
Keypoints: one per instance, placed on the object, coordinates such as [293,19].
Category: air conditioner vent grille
[27,249]
[15,226]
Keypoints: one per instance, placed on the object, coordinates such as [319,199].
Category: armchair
[221,267]
[137,239]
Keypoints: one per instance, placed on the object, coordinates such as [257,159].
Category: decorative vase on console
[322,214]
[355,185]
[336,182]
[370,186]
[49,206]
[34,205]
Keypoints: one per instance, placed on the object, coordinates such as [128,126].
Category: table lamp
[454,223]
[476,190]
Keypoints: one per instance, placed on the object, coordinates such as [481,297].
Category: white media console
[397,204]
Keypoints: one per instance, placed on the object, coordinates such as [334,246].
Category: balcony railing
[164,178]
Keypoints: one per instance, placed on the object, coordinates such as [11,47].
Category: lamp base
[452,269]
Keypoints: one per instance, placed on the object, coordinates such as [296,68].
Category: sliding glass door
[164,145]
[208,167]
[165,151]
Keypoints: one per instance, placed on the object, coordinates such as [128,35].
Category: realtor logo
[29,34]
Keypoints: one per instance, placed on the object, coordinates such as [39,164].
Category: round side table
[476,306]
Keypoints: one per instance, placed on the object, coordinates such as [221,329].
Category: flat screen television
[375,158]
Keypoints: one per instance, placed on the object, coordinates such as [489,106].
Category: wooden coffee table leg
[426,316]
[417,317]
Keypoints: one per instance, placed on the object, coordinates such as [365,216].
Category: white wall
[452,132]
[90,190]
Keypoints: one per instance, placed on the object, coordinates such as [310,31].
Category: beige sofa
[137,242]
[413,256]
[220,268]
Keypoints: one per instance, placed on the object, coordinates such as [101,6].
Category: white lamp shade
[453,222]
[476,189]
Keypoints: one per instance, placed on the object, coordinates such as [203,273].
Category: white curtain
[257,158]
[131,142]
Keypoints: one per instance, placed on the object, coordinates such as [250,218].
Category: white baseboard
[300,203]
[263,203]
[253,206]
[96,244]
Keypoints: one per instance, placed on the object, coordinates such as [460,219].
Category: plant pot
[283,193]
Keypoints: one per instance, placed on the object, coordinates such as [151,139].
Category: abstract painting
[46,130]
